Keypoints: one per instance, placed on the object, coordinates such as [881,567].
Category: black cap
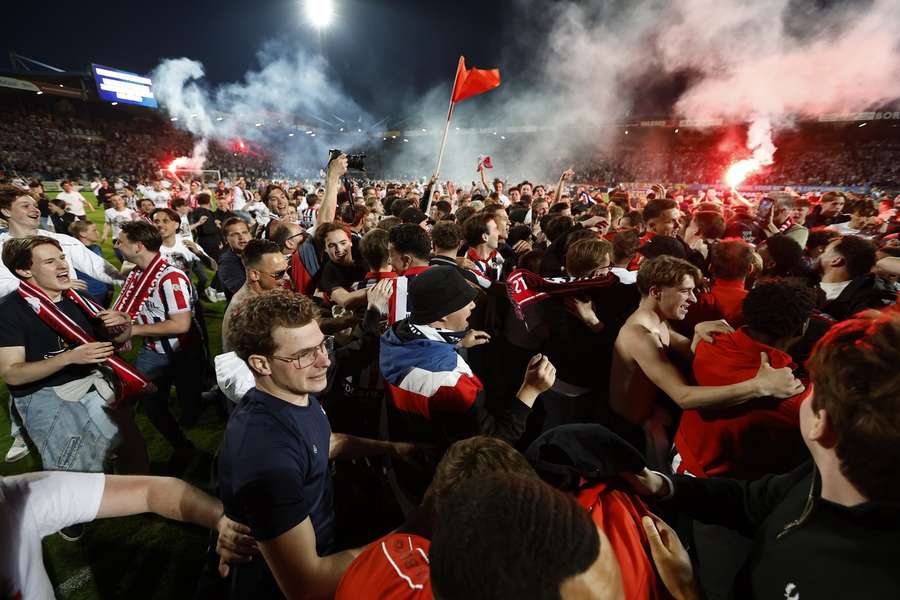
[436,292]
[660,245]
[412,215]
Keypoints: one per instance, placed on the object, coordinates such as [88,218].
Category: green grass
[135,557]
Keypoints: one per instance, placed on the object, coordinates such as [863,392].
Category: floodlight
[319,13]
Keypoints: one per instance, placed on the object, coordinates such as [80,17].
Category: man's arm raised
[336,170]
[652,360]
[298,568]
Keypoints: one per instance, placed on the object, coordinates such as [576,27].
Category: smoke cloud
[571,71]
[274,107]
[767,61]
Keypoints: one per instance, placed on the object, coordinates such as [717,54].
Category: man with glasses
[273,465]
[266,269]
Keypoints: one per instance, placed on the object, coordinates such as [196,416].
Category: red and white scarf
[131,380]
[138,286]
[524,287]
[489,267]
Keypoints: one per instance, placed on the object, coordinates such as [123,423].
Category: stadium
[276,320]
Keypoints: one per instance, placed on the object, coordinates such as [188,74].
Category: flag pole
[437,168]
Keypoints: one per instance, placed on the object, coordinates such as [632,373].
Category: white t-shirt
[179,256]
[74,202]
[624,275]
[33,506]
[833,290]
[160,199]
[239,197]
[116,219]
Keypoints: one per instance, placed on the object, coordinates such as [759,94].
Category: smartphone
[764,208]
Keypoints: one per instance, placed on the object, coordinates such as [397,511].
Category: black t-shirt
[208,229]
[62,222]
[20,326]
[335,275]
[223,215]
[274,474]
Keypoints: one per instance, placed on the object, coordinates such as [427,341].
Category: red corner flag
[471,82]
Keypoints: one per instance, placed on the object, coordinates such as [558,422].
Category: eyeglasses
[275,275]
[306,358]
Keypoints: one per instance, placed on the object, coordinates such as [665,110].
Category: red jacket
[746,441]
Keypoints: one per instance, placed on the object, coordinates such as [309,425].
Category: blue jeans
[69,435]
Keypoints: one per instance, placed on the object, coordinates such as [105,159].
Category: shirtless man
[642,364]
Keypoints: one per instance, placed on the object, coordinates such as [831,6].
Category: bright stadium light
[319,13]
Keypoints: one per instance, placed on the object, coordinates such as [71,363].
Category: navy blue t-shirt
[273,468]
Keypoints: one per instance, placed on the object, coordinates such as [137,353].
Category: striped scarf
[130,381]
[138,287]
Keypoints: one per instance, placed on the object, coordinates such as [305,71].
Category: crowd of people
[538,390]
[58,144]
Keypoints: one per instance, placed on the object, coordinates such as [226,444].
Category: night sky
[381,50]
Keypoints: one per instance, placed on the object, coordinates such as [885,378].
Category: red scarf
[139,285]
[131,381]
[524,287]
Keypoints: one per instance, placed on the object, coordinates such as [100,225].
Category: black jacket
[803,546]
[864,292]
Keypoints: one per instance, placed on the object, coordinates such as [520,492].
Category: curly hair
[506,536]
[778,308]
[470,457]
[254,321]
[854,374]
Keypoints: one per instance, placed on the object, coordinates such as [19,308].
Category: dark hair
[778,308]
[353,214]
[787,254]
[17,251]
[471,457]
[710,224]
[501,535]
[374,248]
[144,233]
[326,228]
[625,245]
[179,202]
[446,235]
[255,250]
[475,227]
[411,239]
[665,271]
[232,221]
[399,205]
[655,207]
[60,204]
[861,207]
[463,214]
[174,216]
[819,237]
[388,223]
[853,369]
[8,195]
[556,226]
[858,254]
[253,322]
[731,259]
[203,198]
[443,206]
[283,233]
[558,207]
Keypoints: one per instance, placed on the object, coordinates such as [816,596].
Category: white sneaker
[221,296]
[211,295]
[18,450]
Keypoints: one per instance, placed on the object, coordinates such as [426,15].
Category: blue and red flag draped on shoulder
[425,375]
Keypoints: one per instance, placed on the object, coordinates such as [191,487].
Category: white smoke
[770,61]
[292,92]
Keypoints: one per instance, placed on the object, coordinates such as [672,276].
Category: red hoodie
[747,441]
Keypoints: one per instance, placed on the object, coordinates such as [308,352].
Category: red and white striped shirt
[172,295]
